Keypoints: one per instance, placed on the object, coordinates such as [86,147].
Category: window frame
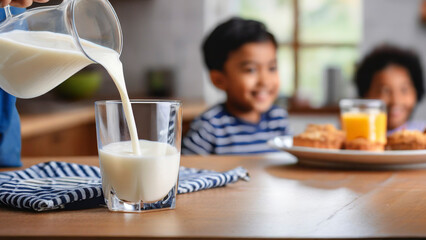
[296,45]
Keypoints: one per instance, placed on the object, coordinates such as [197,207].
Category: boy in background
[241,58]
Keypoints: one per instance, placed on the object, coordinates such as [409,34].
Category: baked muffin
[320,136]
[407,140]
[327,128]
[364,145]
[320,127]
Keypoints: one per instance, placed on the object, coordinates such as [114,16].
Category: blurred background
[320,43]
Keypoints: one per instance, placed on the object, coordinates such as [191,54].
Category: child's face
[251,79]
[393,85]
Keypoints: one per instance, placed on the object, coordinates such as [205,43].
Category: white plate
[348,157]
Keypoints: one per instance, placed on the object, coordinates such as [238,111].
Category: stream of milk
[33,63]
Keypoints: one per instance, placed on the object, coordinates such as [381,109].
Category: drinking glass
[364,118]
[139,183]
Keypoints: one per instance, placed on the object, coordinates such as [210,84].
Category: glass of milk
[138,181]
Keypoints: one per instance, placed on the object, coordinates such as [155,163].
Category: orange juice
[368,125]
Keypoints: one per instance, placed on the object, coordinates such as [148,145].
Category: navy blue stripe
[87,192]
[215,127]
[72,170]
[84,171]
[55,173]
[256,130]
[46,173]
[241,143]
[198,145]
[237,123]
[20,175]
[243,133]
[78,192]
[252,152]
[96,173]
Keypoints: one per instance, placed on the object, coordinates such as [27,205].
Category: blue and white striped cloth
[61,185]
[217,131]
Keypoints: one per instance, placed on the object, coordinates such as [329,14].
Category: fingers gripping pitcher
[42,47]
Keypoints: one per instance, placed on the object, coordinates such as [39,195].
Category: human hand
[20,3]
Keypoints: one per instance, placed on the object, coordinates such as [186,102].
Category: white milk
[148,177]
[33,63]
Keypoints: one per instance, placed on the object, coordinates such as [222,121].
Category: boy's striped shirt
[216,131]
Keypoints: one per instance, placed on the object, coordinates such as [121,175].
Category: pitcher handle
[7,11]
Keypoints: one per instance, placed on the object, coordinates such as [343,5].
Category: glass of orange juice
[364,118]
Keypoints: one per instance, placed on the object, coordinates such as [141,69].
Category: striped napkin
[61,185]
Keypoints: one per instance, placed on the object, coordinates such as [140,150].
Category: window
[313,37]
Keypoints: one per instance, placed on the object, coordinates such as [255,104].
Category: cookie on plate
[328,128]
[364,145]
[320,136]
[320,128]
[407,140]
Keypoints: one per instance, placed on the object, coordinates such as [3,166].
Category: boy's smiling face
[250,79]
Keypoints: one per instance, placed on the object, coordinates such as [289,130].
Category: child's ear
[218,79]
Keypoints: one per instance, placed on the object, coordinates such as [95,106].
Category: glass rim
[373,103]
[144,101]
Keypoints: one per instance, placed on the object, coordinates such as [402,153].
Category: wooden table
[282,200]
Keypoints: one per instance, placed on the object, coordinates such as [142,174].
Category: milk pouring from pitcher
[42,47]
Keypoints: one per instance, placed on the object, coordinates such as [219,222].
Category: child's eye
[250,70]
[385,91]
[273,68]
[405,90]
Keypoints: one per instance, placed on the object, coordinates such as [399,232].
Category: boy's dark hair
[231,35]
[382,57]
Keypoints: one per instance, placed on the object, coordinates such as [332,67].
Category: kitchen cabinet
[64,133]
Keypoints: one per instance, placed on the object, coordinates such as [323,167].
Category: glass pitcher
[42,47]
